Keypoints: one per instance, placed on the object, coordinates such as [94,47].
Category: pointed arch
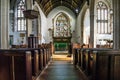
[102,18]
[62,26]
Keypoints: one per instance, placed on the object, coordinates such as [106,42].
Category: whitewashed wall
[86,27]
[80,21]
[43,25]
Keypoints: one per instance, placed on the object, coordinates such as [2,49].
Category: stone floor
[60,70]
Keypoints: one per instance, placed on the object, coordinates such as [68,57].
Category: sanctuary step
[62,56]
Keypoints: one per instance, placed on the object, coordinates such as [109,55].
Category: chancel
[59,39]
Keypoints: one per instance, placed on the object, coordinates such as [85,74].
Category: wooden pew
[46,49]
[44,57]
[87,59]
[106,65]
[5,70]
[48,52]
[100,64]
[36,60]
[41,60]
[75,56]
[15,65]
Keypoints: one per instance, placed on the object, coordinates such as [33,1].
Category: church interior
[59,40]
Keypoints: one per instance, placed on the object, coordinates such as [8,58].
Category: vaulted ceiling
[48,5]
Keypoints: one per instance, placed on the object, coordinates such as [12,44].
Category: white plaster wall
[44,29]
[65,10]
[80,22]
[15,33]
[86,27]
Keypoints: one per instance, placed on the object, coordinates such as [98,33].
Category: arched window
[21,21]
[102,18]
[62,26]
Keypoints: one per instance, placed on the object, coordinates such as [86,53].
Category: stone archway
[36,25]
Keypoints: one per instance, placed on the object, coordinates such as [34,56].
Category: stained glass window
[21,21]
[62,26]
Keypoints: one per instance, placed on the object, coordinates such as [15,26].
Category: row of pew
[26,45]
[23,63]
[97,63]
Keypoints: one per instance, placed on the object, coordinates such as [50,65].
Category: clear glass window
[21,21]
[102,18]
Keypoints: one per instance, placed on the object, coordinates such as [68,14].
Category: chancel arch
[36,25]
[61,32]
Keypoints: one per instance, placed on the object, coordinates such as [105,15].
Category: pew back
[17,65]
[98,64]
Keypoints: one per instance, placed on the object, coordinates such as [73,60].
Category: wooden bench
[21,64]
[106,65]
[99,64]
[15,65]
[39,58]
[75,56]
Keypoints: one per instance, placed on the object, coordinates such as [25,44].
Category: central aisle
[60,70]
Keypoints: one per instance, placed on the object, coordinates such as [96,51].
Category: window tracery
[102,18]
[21,21]
[62,26]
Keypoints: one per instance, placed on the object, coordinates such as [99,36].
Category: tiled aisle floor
[60,70]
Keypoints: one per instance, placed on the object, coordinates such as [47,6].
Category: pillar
[4,23]
[92,40]
[116,24]
[29,21]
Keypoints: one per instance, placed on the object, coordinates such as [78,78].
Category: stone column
[92,2]
[29,21]
[116,24]
[0,23]
[4,24]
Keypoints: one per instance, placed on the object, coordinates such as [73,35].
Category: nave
[89,29]
[41,64]
[61,68]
